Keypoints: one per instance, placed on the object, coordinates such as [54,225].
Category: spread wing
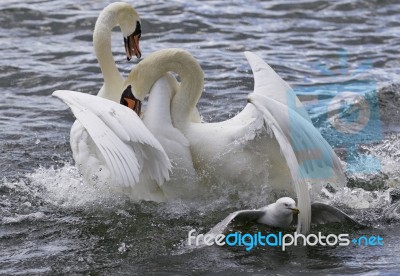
[312,151]
[123,141]
[322,214]
[307,153]
[238,216]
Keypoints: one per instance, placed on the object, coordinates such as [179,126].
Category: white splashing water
[359,198]
[388,153]
[64,187]
[20,218]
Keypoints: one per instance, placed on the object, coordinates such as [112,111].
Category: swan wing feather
[300,142]
[124,142]
[298,178]
[312,151]
[309,145]
[268,83]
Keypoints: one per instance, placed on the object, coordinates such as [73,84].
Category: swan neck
[158,109]
[102,47]
[148,71]
[186,98]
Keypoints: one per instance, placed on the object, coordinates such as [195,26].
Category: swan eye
[286,205]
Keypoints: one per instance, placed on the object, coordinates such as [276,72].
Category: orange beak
[132,46]
[129,100]
[132,43]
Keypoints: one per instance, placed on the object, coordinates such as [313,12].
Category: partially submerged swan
[265,144]
[133,156]
[274,126]
[120,14]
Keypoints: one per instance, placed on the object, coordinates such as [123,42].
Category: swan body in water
[131,155]
[84,150]
[271,141]
[262,145]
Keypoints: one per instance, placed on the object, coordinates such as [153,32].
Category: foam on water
[388,153]
[62,187]
[19,218]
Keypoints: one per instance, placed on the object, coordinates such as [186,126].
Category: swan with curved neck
[260,144]
[95,133]
[148,71]
[83,145]
[116,14]
[145,159]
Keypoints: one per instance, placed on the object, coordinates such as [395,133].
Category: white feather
[123,141]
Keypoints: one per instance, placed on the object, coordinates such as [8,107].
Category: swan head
[122,15]
[132,42]
[286,206]
[129,100]
[129,22]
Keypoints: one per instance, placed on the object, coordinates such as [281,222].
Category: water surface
[51,222]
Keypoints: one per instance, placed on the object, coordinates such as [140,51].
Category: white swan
[273,127]
[99,127]
[116,14]
[133,156]
[84,150]
[121,147]
[235,149]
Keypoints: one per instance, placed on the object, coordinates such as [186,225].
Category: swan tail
[125,144]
